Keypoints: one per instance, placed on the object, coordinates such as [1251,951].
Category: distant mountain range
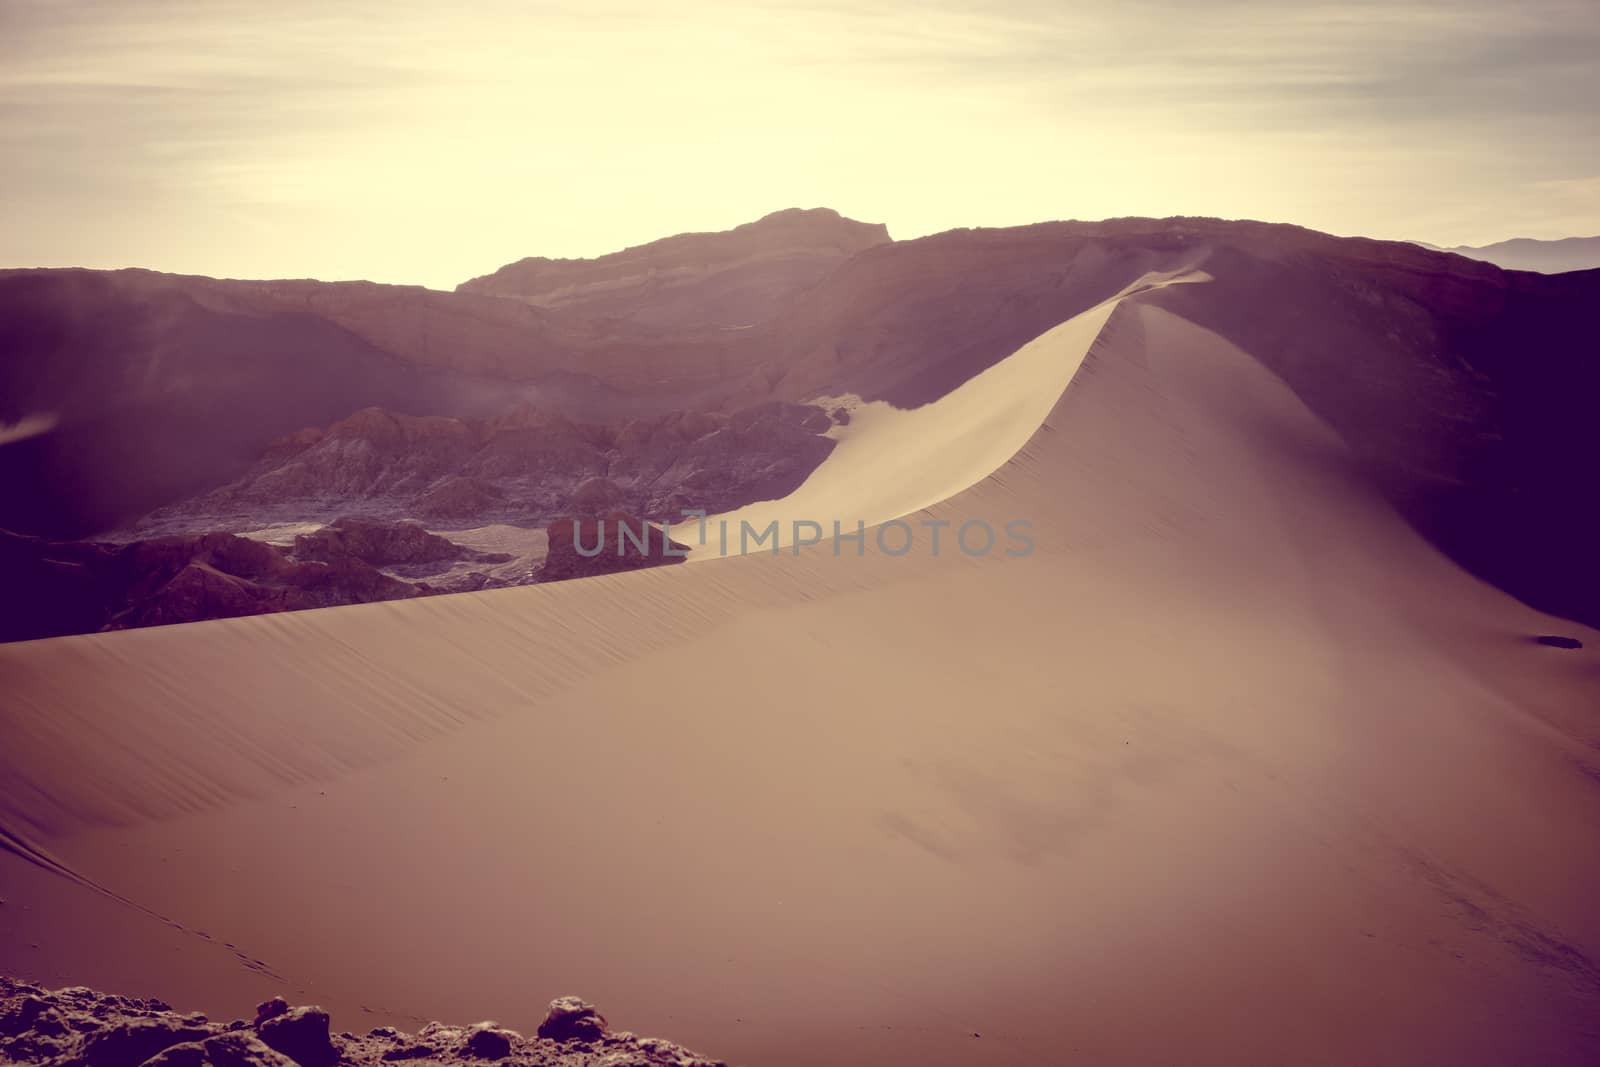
[695,372]
[1525,253]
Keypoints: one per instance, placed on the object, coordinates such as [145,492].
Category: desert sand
[1234,767]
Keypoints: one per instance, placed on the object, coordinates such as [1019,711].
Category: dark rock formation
[81,1028]
[130,1042]
[587,545]
[378,543]
[523,468]
[488,1042]
[459,497]
[77,587]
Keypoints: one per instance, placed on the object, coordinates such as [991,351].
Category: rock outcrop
[586,545]
[79,1027]
[81,587]
[378,543]
[523,467]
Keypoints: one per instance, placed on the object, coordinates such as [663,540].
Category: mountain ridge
[1556,256]
[163,387]
[729,278]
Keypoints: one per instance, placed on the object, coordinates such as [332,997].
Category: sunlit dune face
[407,142]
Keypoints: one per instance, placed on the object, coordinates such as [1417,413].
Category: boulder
[488,1043]
[572,1019]
[302,1035]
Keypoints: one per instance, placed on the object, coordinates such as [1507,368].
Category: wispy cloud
[406,141]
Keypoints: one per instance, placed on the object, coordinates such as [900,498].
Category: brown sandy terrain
[1233,767]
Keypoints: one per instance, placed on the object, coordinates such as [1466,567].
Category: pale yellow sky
[410,142]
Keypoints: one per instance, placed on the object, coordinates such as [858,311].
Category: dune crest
[891,462]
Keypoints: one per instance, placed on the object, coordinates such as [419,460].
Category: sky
[426,143]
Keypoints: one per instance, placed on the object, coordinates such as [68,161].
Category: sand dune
[891,462]
[1232,768]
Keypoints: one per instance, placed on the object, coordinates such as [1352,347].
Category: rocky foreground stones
[79,1027]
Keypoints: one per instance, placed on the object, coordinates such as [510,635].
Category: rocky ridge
[523,467]
[730,279]
[83,587]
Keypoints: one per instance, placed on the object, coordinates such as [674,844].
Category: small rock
[1556,641]
[659,1049]
[244,1050]
[188,1054]
[270,1009]
[626,1058]
[487,1043]
[410,1052]
[572,1019]
[302,1035]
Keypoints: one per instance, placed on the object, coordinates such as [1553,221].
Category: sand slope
[1233,768]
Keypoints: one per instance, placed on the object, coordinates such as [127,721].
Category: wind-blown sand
[1233,768]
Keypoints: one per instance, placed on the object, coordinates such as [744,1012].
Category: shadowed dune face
[1232,737]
